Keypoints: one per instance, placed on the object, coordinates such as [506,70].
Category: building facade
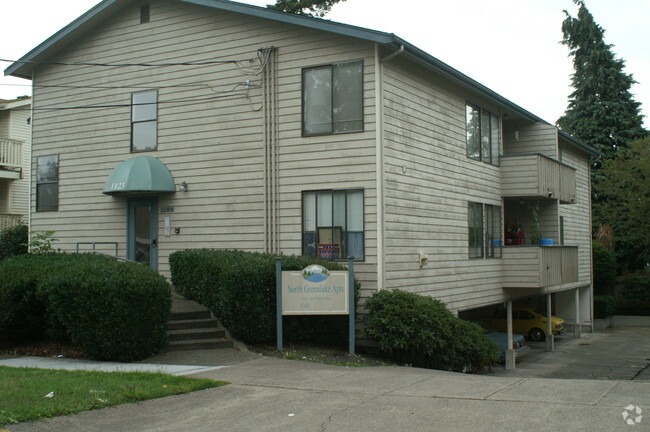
[15,129]
[211,124]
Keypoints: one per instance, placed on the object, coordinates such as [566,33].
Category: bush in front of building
[111,310]
[604,306]
[13,241]
[421,331]
[239,288]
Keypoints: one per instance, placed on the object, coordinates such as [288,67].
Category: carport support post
[550,338]
[577,330]
[510,353]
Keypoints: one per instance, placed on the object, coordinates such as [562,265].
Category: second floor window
[47,183]
[482,135]
[144,120]
[333,99]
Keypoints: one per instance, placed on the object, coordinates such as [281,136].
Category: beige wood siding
[207,136]
[429,182]
[533,138]
[577,217]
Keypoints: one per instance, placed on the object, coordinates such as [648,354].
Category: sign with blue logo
[315,291]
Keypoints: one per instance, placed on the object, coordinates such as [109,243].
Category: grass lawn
[24,391]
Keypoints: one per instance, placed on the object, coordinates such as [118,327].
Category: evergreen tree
[317,8]
[601,111]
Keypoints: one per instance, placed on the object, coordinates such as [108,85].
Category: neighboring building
[15,118]
[333,140]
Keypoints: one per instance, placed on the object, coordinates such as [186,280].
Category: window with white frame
[484,223]
[47,183]
[332,99]
[144,120]
[333,224]
[483,134]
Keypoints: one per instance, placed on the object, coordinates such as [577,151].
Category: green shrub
[636,288]
[604,306]
[13,241]
[23,305]
[239,287]
[419,330]
[112,310]
[604,268]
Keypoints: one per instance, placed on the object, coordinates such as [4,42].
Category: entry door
[142,231]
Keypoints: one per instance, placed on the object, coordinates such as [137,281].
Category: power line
[175,102]
[190,63]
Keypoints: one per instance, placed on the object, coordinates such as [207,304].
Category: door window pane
[142,235]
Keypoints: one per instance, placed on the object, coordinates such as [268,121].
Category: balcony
[539,266]
[11,159]
[537,176]
[8,221]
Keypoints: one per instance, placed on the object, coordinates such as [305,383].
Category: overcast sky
[511,46]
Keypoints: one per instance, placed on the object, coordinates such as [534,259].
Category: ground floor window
[484,223]
[333,224]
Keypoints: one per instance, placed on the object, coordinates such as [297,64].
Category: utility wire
[190,63]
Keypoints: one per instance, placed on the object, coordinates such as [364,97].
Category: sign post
[278,308]
[314,290]
[351,303]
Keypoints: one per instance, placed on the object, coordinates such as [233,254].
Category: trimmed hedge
[604,306]
[239,287]
[636,288]
[13,241]
[112,310]
[421,331]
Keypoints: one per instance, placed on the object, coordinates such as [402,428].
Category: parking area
[621,353]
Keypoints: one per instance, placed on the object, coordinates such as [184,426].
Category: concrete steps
[191,327]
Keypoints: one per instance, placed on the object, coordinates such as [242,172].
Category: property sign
[315,291]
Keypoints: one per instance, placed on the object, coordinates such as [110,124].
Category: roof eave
[22,68]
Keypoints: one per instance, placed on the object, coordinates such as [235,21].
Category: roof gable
[24,67]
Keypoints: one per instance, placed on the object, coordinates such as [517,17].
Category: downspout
[31,167]
[379,153]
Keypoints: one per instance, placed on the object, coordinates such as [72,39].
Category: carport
[573,304]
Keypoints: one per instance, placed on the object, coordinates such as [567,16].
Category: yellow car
[526,321]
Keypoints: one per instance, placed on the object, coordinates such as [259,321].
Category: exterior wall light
[183,187]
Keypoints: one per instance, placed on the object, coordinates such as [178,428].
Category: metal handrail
[116,257]
[94,244]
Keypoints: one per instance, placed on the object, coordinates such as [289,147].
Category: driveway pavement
[270,394]
[621,353]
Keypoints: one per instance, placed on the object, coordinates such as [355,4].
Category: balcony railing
[8,221]
[537,176]
[539,266]
[11,154]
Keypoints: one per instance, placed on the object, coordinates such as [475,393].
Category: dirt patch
[320,354]
[43,349]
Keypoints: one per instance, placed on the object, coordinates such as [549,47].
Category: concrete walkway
[269,394]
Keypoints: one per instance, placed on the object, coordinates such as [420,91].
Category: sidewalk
[270,394]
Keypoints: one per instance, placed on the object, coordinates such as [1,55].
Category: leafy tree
[313,8]
[626,203]
[601,111]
